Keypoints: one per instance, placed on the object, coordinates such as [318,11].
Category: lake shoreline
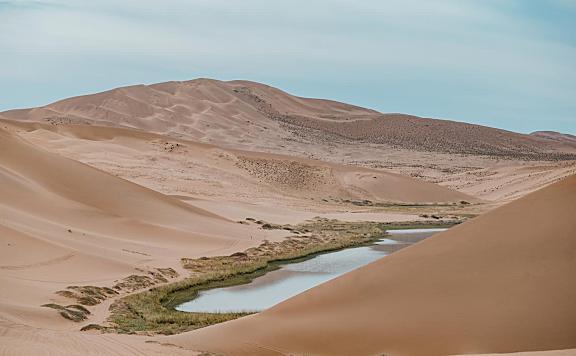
[153,311]
[285,279]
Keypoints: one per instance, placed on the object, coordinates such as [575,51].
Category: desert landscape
[117,207]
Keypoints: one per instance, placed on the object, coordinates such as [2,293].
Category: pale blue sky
[503,63]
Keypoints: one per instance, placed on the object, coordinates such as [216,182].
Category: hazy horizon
[510,65]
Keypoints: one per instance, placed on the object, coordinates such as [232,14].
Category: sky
[509,64]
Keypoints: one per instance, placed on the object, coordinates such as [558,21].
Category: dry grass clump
[93,295]
[72,312]
[87,295]
[286,174]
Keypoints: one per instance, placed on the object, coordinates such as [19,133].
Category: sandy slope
[64,223]
[503,282]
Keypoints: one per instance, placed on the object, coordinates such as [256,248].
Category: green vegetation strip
[152,311]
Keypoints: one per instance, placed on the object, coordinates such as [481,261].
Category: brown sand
[503,282]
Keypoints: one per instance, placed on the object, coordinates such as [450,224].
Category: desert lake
[294,278]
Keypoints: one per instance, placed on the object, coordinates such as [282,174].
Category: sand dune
[65,223]
[503,282]
[202,109]
[239,113]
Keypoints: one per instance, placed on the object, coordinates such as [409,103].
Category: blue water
[294,278]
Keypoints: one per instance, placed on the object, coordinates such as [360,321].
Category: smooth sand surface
[503,282]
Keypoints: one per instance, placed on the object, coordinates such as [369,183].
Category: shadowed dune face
[502,282]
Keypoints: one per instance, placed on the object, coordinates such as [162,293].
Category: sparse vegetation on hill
[286,174]
[408,132]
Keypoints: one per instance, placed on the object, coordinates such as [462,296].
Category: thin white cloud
[474,43]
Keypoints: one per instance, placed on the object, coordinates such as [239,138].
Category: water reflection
[292,279]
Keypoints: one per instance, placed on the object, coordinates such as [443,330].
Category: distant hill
[553,136]
[246,114]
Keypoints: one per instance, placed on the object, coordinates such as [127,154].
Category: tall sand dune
[503,282]
[65,223]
